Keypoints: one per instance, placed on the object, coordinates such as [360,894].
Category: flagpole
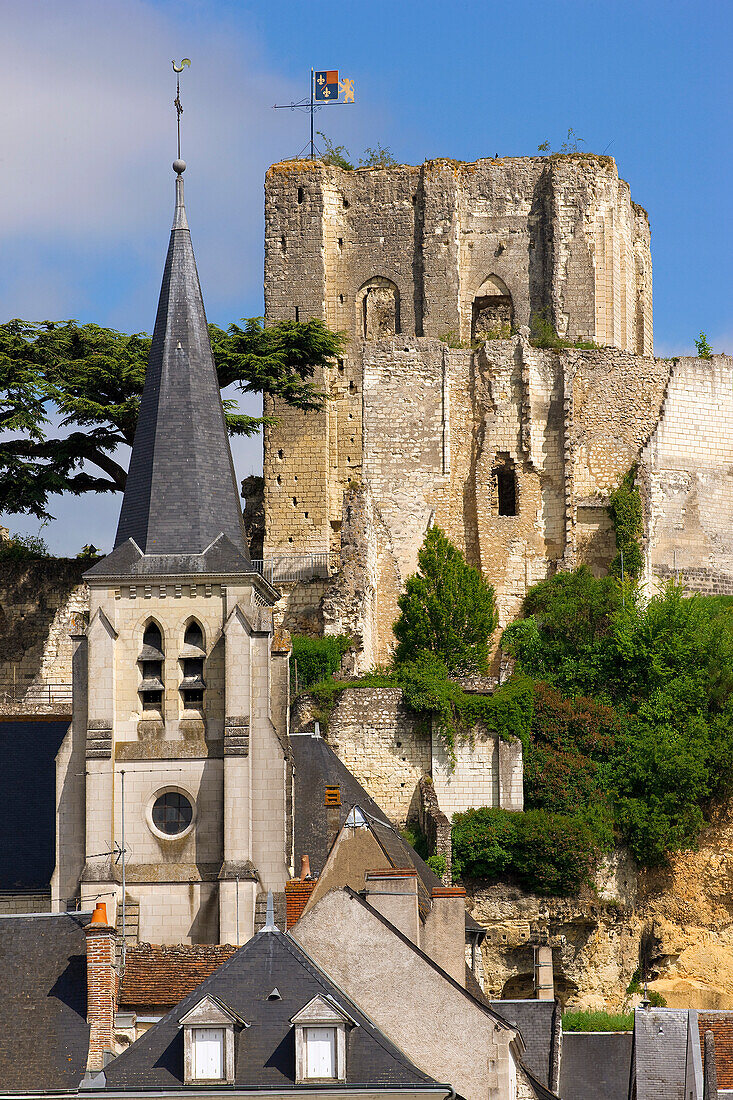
[313,148]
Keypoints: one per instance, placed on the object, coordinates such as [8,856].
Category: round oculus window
[172,813]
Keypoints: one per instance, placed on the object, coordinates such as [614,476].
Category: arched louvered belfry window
[192,667]
[151,660]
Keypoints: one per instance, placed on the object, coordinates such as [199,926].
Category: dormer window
[321,1030]
[208,1042]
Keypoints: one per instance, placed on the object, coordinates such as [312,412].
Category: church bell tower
[178,751]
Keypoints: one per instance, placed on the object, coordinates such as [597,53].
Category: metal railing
[285,568]
[35,697]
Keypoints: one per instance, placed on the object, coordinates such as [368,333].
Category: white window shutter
[208,1053]
[320,1051]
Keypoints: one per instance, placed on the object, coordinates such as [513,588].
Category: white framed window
[321,1034]
[207,1053]
[208,1041]
[320,1052]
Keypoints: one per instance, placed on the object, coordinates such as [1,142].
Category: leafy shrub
[628,523]
[597,1020]
[318,658]
[544,852]
[447,609]
[647,754]
[542,333]
[703,347]
[437,863]
[23,548]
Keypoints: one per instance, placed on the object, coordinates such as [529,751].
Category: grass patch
[597,1021]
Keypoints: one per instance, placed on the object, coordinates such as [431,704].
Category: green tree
[90,379]
[447,609]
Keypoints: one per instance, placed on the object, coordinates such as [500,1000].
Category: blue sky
[87,133]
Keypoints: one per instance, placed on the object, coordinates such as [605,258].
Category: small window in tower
[150,662]
[300,194]
[340,244]
[297,314]
[506,488]
[283,244]
[192,663]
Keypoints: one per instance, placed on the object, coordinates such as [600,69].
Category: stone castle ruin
[442,411]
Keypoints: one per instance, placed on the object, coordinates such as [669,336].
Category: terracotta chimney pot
[305,868]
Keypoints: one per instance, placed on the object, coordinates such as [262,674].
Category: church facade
[174,780]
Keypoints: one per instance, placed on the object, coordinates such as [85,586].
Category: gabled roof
[265,1051]
[43,1002]
[660,1053]
[28,802]
[181,491]
[316,767]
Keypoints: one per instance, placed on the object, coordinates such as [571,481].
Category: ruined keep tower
[418,265]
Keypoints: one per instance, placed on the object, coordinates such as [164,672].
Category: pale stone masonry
[440,409]
[389,749]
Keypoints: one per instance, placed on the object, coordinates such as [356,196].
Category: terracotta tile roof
[163,975]
[297,892]
[721,1025]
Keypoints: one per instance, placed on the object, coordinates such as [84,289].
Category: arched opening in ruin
[378,309]
[493,311]
[505,485]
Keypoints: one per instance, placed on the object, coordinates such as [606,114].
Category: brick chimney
[394,893]
[298,892]
[101,988]
[444,934]
[332,802]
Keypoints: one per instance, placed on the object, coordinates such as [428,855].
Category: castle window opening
[283,244]
[506,488]
[378,302]
[300,194]
[341,299]
[341,244]
[297,314]
[493,311]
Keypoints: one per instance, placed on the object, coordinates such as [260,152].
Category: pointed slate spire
[181,492]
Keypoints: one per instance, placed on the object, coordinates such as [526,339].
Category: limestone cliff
[679,919]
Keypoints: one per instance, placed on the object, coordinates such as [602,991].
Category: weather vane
[178,69]
[326,88]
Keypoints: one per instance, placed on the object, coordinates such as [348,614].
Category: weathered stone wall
[37,602]
[687,473]
[412,252]
[390,750]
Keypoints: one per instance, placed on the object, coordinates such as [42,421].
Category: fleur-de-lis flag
[328,87]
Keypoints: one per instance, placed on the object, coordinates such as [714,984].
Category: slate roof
[43,1002]
[721,1025]
[535,1021]
[161,976]
[265,1051]
[316,767]
[27,802]
[660,1053]
[596,1066]
[181,491]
